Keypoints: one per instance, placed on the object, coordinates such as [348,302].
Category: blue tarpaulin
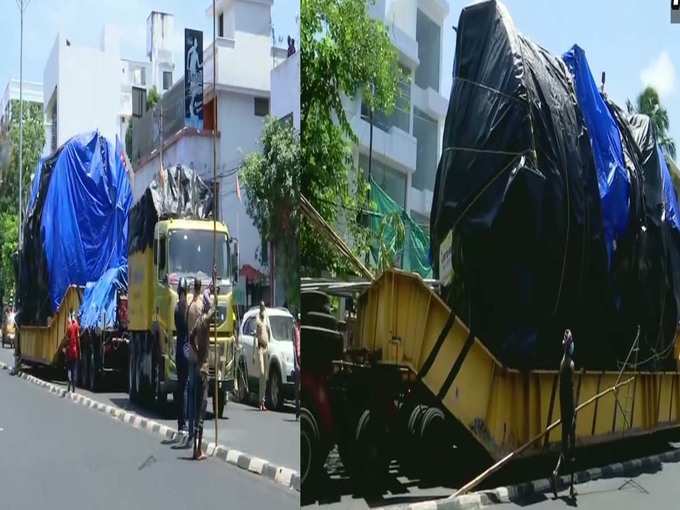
[670,205]
[84,219]
[605,139]
[98,308]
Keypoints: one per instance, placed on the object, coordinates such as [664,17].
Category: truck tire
[315,301]
[319,346]
[219,402]
[435,444]
[274,389]
[370,458]
[132,372]
[321,320]
[312,452]
[159,396]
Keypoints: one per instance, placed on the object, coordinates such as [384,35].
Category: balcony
[394,145]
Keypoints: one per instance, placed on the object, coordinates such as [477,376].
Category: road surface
[60,455]
[274,436]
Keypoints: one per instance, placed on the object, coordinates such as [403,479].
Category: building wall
[85,79]
[285,94]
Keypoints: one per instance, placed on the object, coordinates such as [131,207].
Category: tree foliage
[152,98]
[648,103]
[272,182]
[34,140]
[344,53]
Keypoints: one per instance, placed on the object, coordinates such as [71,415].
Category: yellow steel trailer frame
[40,344]
[400,320]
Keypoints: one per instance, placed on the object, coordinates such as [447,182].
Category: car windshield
[282,328]
[191,252]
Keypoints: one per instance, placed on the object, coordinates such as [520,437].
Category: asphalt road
[60,455]
[406,486]
[274,436]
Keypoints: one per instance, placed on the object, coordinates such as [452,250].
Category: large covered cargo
[548,209]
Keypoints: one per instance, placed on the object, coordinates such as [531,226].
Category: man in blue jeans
[180,357]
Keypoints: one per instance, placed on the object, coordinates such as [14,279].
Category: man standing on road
[72,350]
[180,358]
[568,413]
[193,313]
[263,333]
[200,340]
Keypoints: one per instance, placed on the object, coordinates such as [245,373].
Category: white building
[286,90]
[245,58]
[32,93]
[407,143]
[79,82]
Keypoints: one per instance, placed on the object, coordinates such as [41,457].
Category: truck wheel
[321,320]
[91,370]
[132,373]
[312,452]
[371,461]
[315,301]
[221,400]
[160,396]
[274,395]
[433,442]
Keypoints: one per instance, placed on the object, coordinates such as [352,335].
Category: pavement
[60,455]
[274,436]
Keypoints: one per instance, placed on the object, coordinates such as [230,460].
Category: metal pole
[214,275]
[160,106]
[21,116]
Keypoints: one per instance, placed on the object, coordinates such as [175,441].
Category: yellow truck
[181,248]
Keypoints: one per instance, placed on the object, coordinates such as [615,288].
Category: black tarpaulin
[516,185]
[177,192]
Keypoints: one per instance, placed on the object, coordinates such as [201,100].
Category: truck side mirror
[233,263]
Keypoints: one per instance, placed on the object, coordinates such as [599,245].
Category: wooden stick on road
[477,480]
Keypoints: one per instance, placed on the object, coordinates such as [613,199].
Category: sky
[633,41]
[82,21]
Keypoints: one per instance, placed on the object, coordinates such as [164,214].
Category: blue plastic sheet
[670,202]
[98,308]
[84,223]
[605,139]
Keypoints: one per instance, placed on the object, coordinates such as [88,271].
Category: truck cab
[182,249]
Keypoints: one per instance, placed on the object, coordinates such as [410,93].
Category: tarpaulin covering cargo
[176,192]
[98,307]
[527,202]
[76,223]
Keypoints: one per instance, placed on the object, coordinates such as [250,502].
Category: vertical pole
[214,275]
[21,115]
[160,106]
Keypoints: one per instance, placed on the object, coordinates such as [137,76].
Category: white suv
[281,380]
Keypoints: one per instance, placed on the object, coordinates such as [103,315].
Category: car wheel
[274,390]
[241,393]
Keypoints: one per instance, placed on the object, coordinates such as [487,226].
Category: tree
[648,103]
[271,179]
[152,99]
[344,53]
[34,141]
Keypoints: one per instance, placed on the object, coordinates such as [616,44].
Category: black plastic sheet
[517,187]
[177,192]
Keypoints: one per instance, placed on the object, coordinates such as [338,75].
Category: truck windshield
[191,253]
[282,328]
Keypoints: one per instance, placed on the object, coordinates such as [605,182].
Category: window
[138,101]
[249,327]
[282,328]
[401,115]
[220,25]
[428,35]
[191,253]
[167,80]
[392,181]
[426,133]
[261,106]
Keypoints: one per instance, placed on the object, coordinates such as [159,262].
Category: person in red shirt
[72,350]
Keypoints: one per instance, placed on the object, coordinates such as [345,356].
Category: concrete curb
[281,475]
[514,493]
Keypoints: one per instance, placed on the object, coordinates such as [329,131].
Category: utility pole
[160,106]
[216,394]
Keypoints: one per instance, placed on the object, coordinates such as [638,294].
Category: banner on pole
[193,78]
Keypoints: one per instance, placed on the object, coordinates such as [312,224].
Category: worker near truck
[263,332]
[72,350]
[181,360]
[193,313]
[568,414]
[199,337]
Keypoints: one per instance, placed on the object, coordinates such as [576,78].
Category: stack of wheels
[428,444]
[321,343]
